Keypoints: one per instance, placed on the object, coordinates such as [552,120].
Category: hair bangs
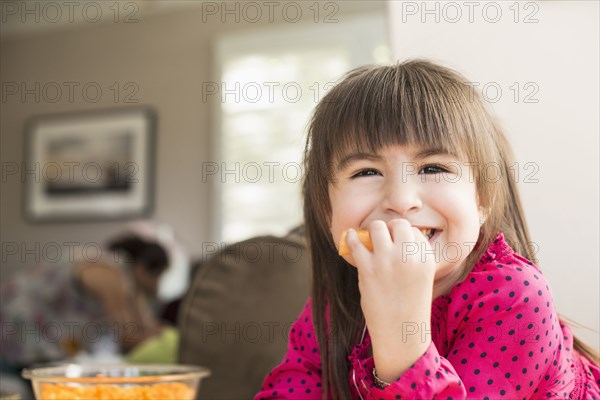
[377,107]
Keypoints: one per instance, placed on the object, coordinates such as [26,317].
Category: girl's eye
[433,169]
[366,172]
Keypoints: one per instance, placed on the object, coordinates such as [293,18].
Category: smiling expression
[433,191]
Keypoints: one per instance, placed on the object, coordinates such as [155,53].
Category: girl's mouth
[429,233]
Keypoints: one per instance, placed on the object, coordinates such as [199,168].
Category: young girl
[443,306]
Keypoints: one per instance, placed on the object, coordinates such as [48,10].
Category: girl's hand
[396,285]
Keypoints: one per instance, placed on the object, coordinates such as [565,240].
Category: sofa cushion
[240,306]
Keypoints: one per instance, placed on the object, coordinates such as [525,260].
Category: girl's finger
[380,235]
[420,238]
[359,254]
[423,244]
[401,230]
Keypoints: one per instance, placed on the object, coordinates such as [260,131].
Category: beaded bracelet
[378,382]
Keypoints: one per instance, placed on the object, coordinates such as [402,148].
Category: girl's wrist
[400,332]
[392,360]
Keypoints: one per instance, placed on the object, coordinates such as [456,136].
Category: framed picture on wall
[95,165]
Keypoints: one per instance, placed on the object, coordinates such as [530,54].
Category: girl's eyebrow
[419,155]
[433,152]
[357,156]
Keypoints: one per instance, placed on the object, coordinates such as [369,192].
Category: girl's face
[430,190]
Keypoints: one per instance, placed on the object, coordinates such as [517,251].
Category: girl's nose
[402,198]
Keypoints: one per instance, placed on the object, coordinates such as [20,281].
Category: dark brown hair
[413,103]
[150,254]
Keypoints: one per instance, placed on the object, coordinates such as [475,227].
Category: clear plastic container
[125,381]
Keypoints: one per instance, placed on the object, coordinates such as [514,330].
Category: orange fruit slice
[363,236]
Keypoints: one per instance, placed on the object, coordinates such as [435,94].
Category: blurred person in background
[52,312]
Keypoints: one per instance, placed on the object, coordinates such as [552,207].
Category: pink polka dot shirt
[496,335]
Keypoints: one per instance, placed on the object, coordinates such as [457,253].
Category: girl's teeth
[428,232]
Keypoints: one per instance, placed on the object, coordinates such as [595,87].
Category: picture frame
[94,165]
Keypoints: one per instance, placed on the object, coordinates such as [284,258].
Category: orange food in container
[139,382]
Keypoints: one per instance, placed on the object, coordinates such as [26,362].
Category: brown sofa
[236,315]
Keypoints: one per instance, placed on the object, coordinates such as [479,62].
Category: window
[270,83]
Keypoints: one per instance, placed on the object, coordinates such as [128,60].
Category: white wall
[556,52]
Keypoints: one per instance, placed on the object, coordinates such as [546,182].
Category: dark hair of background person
[150,254]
